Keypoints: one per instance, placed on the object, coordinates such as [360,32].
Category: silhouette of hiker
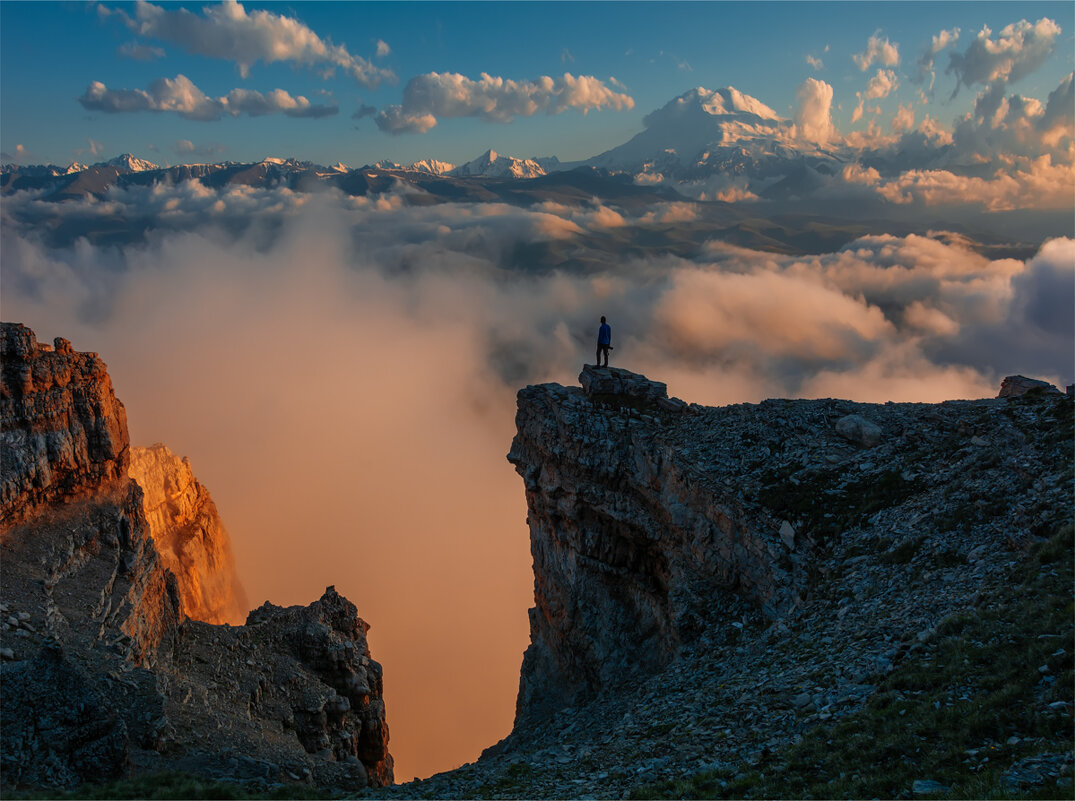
[604,342]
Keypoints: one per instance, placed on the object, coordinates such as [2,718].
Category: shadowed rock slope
[104,670]
[716,588]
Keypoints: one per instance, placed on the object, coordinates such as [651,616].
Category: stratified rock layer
[189,535]
[632,544]
[102,673]
[62,431]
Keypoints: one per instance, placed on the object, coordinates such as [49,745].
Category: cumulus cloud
[1018,50]
[878,51]
[813,115]
[924,65]
[430,97]
[903,119]
[1006,126]
[382,48]
[1040,184]
[140,52]
[879,86]
[814,61]
[227,31]
[179,95]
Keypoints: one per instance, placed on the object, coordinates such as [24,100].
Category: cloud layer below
[356,359]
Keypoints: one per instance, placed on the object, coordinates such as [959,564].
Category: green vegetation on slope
[950,713]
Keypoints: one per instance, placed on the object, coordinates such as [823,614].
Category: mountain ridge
[111,553]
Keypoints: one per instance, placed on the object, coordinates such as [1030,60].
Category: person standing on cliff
[604,341]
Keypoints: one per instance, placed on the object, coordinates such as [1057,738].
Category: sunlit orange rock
[64,433]
[189,534]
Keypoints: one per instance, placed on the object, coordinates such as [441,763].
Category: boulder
[857,429]
[619,382]
[1015,385]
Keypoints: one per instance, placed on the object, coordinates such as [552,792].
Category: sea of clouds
[341,372]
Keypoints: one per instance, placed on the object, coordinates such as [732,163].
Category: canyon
[714,588]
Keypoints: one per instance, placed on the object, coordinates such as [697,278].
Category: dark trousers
[602,349]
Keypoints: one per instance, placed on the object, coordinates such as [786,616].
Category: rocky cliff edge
[768,600]
[104,669]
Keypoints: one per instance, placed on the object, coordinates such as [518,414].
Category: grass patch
[947,712]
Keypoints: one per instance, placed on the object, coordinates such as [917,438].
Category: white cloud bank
[338,353]
[227,31]
[179,95]
[433,96]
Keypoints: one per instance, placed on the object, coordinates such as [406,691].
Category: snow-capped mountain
[428,166]
[75,167]
[718,144]
[432,166]
[704,141]
[129,163]
[491,164]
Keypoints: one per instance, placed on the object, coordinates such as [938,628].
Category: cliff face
[63,432]
[103,669]
[635,543]
[190,537]
[662,531]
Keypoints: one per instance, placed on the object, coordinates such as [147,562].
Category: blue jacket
[604,334]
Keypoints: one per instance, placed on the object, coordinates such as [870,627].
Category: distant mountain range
[698,143]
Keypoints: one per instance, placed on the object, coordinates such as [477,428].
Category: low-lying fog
[343,381]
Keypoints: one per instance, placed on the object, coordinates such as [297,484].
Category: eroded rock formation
[103,670]
[633,542]
[190,537]
[63,432]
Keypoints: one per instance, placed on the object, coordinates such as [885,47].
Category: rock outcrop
[189,535]
[104,669]
[1015,385]
[63,433]
[713,585]
[634,542]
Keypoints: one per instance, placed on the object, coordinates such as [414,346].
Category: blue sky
[50,53]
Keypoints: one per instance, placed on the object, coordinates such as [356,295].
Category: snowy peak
[74,167]
[130,163]
[432,166]
[705,141]
[700,103]
[491,164]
